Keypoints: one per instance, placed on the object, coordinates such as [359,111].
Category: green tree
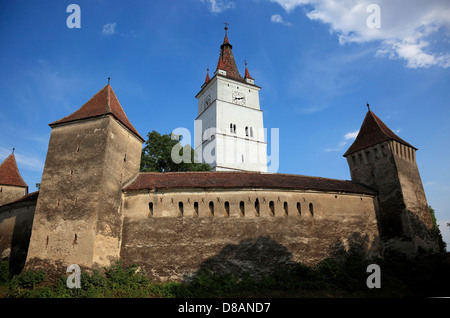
[158,150]
[437,231]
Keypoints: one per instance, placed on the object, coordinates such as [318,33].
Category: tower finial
[367,104]
[108,79]
[13,150]
[226,27]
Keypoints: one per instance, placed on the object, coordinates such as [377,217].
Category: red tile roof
[9,173]
[247,74]
[226,60]
[213,179]
[105,102]
[373,131]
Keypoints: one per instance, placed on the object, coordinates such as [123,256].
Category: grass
[425,276]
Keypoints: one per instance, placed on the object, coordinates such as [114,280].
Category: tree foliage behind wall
[157,155]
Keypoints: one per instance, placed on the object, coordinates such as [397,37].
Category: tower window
[234,128]
[246,131]
[251,131]
[311,209]
[285,206]
[354,160]
[383,151]
[299,208]
[369,159]
[375,151]
[360,158]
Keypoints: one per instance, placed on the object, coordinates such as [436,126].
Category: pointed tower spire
[105,102]
[373,131]
[9,172]
[207,76]
[247,76]
[226,63]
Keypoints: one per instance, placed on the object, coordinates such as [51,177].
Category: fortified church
[94,207]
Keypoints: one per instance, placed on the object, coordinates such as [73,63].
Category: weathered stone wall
[390,168]
[11,193]
[173,234]
[16,221]
[78,217]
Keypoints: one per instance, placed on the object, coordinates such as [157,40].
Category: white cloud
[109,29]
[217,6]
[404,26]
[276,18]
[351,135]
[348,136]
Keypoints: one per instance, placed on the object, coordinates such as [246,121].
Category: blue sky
[318,63]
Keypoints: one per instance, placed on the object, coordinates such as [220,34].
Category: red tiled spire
[373,131]
[226,59]
[207,76]
[105,102]
[247,74]
[9,173]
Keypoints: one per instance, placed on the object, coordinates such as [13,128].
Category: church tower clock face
[238,98]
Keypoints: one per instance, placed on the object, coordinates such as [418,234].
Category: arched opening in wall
[251,132]
[285,207]
[231,128]
[272,208]
[246,131]
[242,208]
[226,205]
[150,208]
[211,208]
[180,208]
[299,208]
[234,128]
[195,208]
[257,207]
[311,209]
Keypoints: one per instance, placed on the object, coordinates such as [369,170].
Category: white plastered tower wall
[232,127]
[229,130]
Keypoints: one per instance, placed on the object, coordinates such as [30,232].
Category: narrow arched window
[150,208]
[242,208]
[257,207]
[227,208]
[180,208]
[251,131]
[195,208]
[299,208]
[246,131]
[272,208]
[311,209]
[234,128]
[211,208]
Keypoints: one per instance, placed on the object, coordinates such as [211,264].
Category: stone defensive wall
[176,224]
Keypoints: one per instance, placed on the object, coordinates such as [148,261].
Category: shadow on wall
[20,241]
[263,256]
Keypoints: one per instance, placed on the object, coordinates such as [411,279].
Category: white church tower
[229,131]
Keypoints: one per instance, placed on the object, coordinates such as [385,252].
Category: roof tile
[105,102]
[9,173]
